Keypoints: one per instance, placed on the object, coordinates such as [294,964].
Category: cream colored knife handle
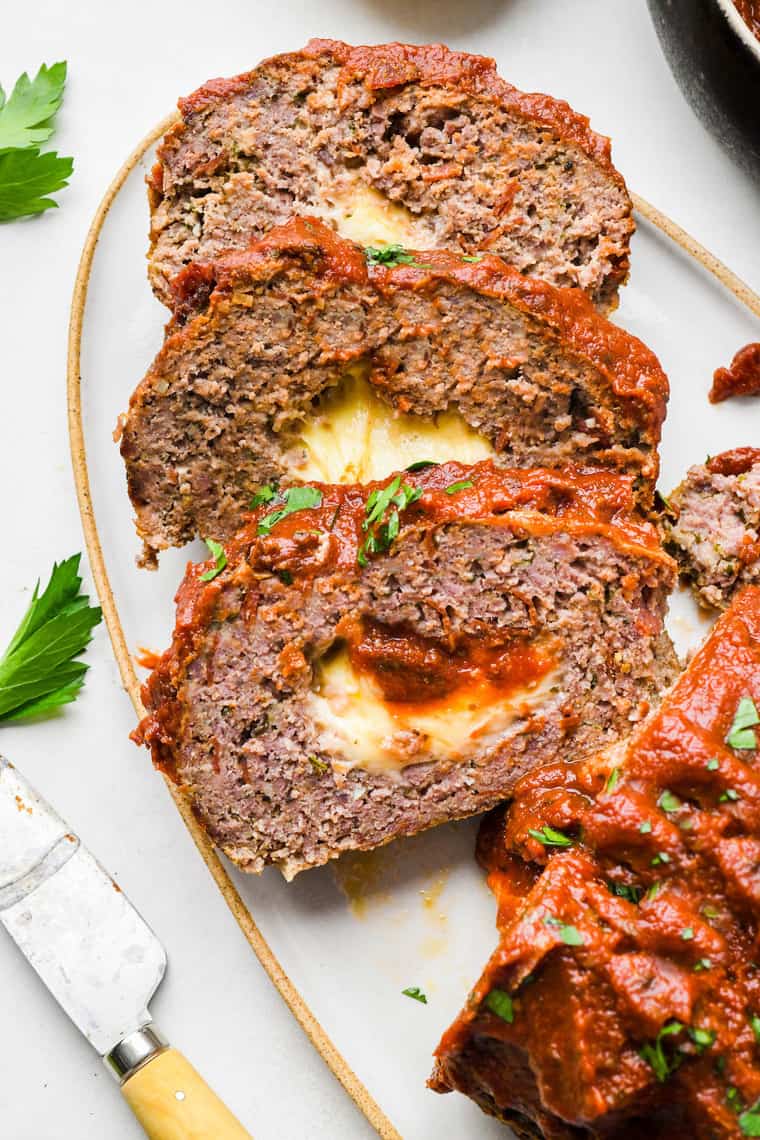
[173,1102]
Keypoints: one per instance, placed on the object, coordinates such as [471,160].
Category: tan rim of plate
[298,1006]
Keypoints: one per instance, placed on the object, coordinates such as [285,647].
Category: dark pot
[715,59]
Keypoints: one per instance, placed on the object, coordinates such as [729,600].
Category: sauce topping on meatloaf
[362,662]
[624,998]
[395,143]
[741,378]
[749,10]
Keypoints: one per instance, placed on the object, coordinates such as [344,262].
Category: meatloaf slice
[271,331]
[418,145]
[372,661]
[712,525]
[624,998]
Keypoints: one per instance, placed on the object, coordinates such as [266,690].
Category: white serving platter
[342,942]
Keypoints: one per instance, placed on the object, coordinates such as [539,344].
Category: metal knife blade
[97,956]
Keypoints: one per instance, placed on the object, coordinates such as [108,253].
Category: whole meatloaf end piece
[624,998]
[270,331]
[712,525]
[373,661]
[418,145]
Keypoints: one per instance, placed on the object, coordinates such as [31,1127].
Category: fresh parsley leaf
[701,965]
[713,765]
[472,258]
[383,526]
[26,178]
[625,891]
[660,857]
[220,560]
[653,891]
[741,734]
[669,802]
[421,464]
[734,1098]
[26,119]
[551,838]
[416,993]
[702,1038]
[39,671]
[749,1121]
[729,794]
[264,495]
[319,766]
[500,1003]
[293,499]
[654,1052]
[570,935]
[645,827]
[755,1023]
[391,255]
[462,485]
[710,911]
[612,780]
[687,933]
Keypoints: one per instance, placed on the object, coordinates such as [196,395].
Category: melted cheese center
[380,736]
[366,216]
[355,437]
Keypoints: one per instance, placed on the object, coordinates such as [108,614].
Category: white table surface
[127,65]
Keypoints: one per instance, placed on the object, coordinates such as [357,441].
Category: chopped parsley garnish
[710,911]
[755,1023]
[416,993]
[702,964]
[749,1121]
[293,499]
[729,794]
[421,464]
[570,935]
[285,577]
[660,857]
[26,120]
[264,495]
[220,560]
[625,891]
[687,933]
[669,802]
[455,488]
[474,258]
[39,671]
[382,516]
[653,891]
[318,765]
[612,780]
[734,1098]
[713,765]
[391,255]
[550,837]
[702,1038]
[500,1003]
[654,1052]
[645,827]
[742,733]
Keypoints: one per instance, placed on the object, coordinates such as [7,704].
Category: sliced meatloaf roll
[297,359]
[364,662]
[417,145]
[624,998]
[712,525]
